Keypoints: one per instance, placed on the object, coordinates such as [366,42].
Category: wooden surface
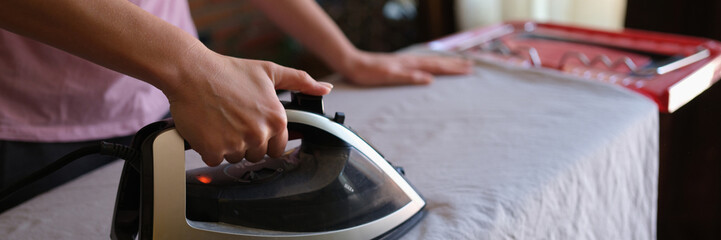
[690,170]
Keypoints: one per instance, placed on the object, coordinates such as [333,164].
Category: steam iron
[334,185]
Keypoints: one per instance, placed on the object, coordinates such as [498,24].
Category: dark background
[690,174]
[236,28]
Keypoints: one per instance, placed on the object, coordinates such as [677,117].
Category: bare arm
[310,25]
[224,107]
[113,33]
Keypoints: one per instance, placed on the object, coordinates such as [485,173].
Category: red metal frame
[669,90]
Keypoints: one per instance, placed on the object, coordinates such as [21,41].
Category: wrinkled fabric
[510,153]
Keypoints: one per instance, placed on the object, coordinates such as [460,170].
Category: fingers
[296,80]
[212,161]
[403,76]
[420,69]
[256,153]
[276,145]
[270,136]
[234,157]
[373,69]
[210,157]
[440,65]
[252,149]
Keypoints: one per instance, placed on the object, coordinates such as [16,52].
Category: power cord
[103,148]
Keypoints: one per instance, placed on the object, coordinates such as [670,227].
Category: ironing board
[503,153]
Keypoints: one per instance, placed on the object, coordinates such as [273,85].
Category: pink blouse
[48,95]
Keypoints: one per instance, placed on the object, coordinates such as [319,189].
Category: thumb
[296,80]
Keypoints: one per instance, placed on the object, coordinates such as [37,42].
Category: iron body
[334,185]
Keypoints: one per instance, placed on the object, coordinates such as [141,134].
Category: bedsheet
[503,153]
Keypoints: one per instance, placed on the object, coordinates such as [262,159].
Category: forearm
[113,33]
[305,21]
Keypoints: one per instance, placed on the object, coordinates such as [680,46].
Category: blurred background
[236,28]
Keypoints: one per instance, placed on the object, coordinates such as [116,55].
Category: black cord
[119,151]
[104,148]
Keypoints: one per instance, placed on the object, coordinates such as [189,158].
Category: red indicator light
[204,179]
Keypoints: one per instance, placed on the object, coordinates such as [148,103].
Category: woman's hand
[227,107]
[378,69]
